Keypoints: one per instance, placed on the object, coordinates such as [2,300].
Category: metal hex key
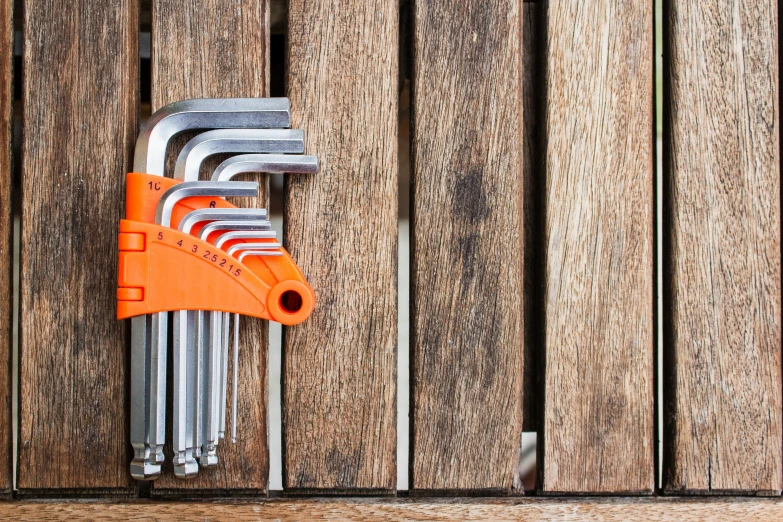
[202,347]
[235,377]
[187,168]
[219,243]
[265,163]
[234,141]
[159,323]
[216,378]
[184,407]
[150,157]
[260,163]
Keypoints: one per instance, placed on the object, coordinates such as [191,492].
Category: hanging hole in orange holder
[290,302]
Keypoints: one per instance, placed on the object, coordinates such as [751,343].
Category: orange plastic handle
[163,269]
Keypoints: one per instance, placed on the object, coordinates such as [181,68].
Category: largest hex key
[150,156]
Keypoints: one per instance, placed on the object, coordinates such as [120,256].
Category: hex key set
[185,251]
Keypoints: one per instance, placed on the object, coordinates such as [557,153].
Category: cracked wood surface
[80,69]
[467,245]
[722,248]
[339,366]
[598,425]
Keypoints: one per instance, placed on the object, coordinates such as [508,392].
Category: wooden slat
[529,509]
[213,49]
[80,121]
[722,260]
[339,366]
[598,420]
[6,231]
[466,255]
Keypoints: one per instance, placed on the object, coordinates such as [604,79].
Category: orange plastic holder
[162,269]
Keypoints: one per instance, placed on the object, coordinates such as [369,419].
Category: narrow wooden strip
[598,425]
[6,233]
[339,366]
[529,509]
[80,122]
[466,256]
[217,49]
[722,256]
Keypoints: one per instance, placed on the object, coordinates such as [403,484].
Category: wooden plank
[528,509]
[722,255]
[80,120]
[339,366]
[215,49]
[466,255]
[6,232]
[598,417]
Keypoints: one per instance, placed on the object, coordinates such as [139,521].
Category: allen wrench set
[185,251]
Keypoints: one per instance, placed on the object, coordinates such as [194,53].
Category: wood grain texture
[722,248]
[339,366]
[481,509]
[6,233]
[80,121]
[220,49]
[466,254]
[598,425]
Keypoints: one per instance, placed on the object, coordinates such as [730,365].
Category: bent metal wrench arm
[227,170]
[187,358]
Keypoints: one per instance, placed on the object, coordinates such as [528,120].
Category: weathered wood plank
[598,425]
[528,509]
[722,248]
[215,49]
[6,232]
[339,366]
[80,121]
[466,256]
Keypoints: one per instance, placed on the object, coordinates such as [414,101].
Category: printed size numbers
[209,256]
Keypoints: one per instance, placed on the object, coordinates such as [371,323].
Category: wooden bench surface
[543,237]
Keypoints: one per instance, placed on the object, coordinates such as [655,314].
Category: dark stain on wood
[467,257]
[80,121]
